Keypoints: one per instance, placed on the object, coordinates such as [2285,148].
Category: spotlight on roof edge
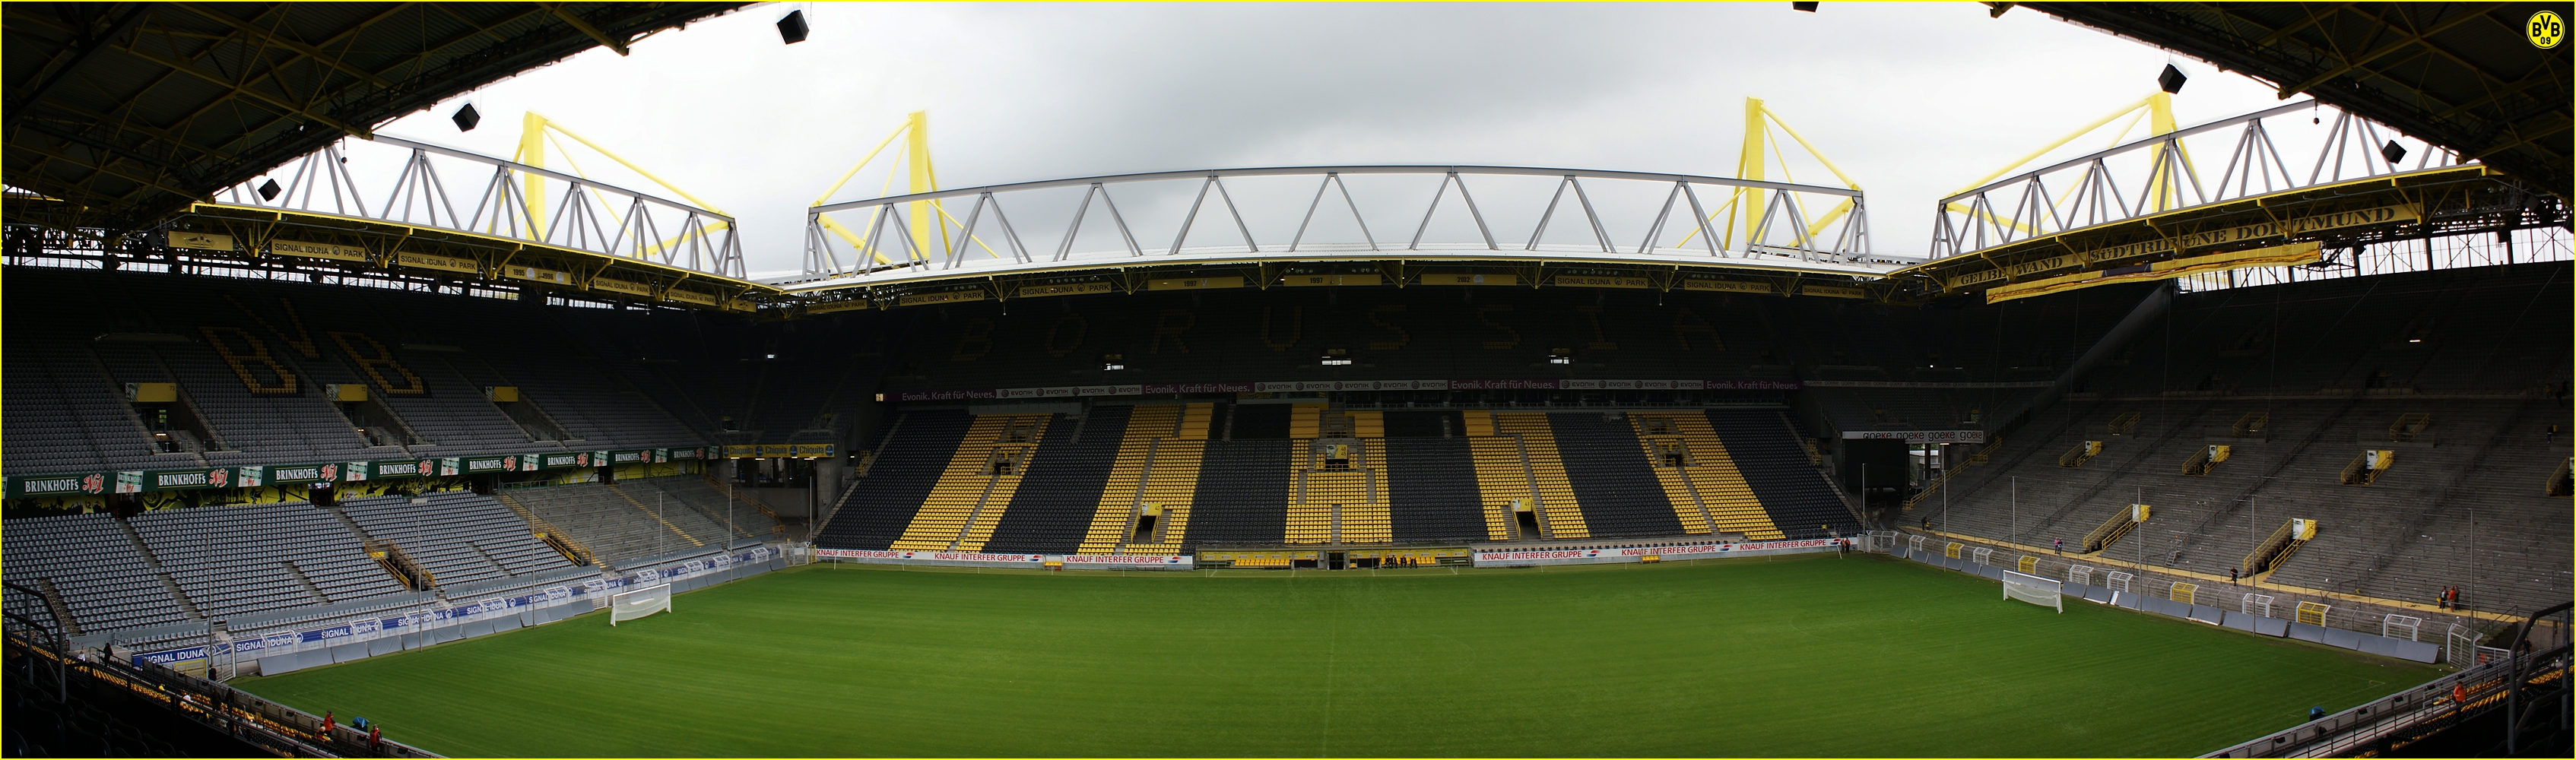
[792,28]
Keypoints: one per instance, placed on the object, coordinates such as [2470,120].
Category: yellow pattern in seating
[1556,502]
[941,521]
[1158,464]
[1711,472]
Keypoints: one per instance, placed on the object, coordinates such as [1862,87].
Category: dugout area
[1774,656]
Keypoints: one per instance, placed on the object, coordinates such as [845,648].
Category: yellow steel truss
[536,132]
[2165,181]
[923,177]
[1761,153]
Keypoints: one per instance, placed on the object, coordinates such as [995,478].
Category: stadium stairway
[458,536]
[1336,501]
[1156,471]
[1765,450]
[909,462]
[1707,476]
[1054,503]
[1556,504]
[243,559]
[1503,480]
[1171,483]
[984,473]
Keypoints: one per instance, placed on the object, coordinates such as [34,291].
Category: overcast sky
[1912,99]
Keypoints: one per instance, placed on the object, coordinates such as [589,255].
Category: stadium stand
[1606,469]
[1765,451]
[2299,381]
[93,569]
[636,520]
[261,557]
[1555,500]
[1172,476]
[461,536]
[1243,489]
[1433,484]
[1054,503]
[916,449]
[985,466]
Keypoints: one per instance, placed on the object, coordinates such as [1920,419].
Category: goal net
[629,605]
[2033,589]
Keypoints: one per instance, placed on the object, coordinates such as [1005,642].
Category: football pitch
[1815,655]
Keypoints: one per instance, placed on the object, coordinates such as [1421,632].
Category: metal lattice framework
[121,113]
[2158,175]
[1603,216]
[2459,74]
[403,182]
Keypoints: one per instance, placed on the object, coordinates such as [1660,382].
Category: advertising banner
[1129,561]
[332,251]
[187,480]
[256,644]
[1576,555]
[92,483]
[928,557]
[403,468]
[1918,436]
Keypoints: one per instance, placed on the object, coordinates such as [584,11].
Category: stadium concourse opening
[1537,460]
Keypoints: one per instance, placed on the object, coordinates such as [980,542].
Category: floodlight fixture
[2171,80]
[791,30]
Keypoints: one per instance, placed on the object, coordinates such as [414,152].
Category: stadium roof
[2459,75]
[121,113]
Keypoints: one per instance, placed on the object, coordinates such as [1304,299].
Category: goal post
[629,605]
[2034,589]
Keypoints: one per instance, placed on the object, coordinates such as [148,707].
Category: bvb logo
[2545,30]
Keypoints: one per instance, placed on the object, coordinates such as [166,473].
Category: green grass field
[1861,656]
